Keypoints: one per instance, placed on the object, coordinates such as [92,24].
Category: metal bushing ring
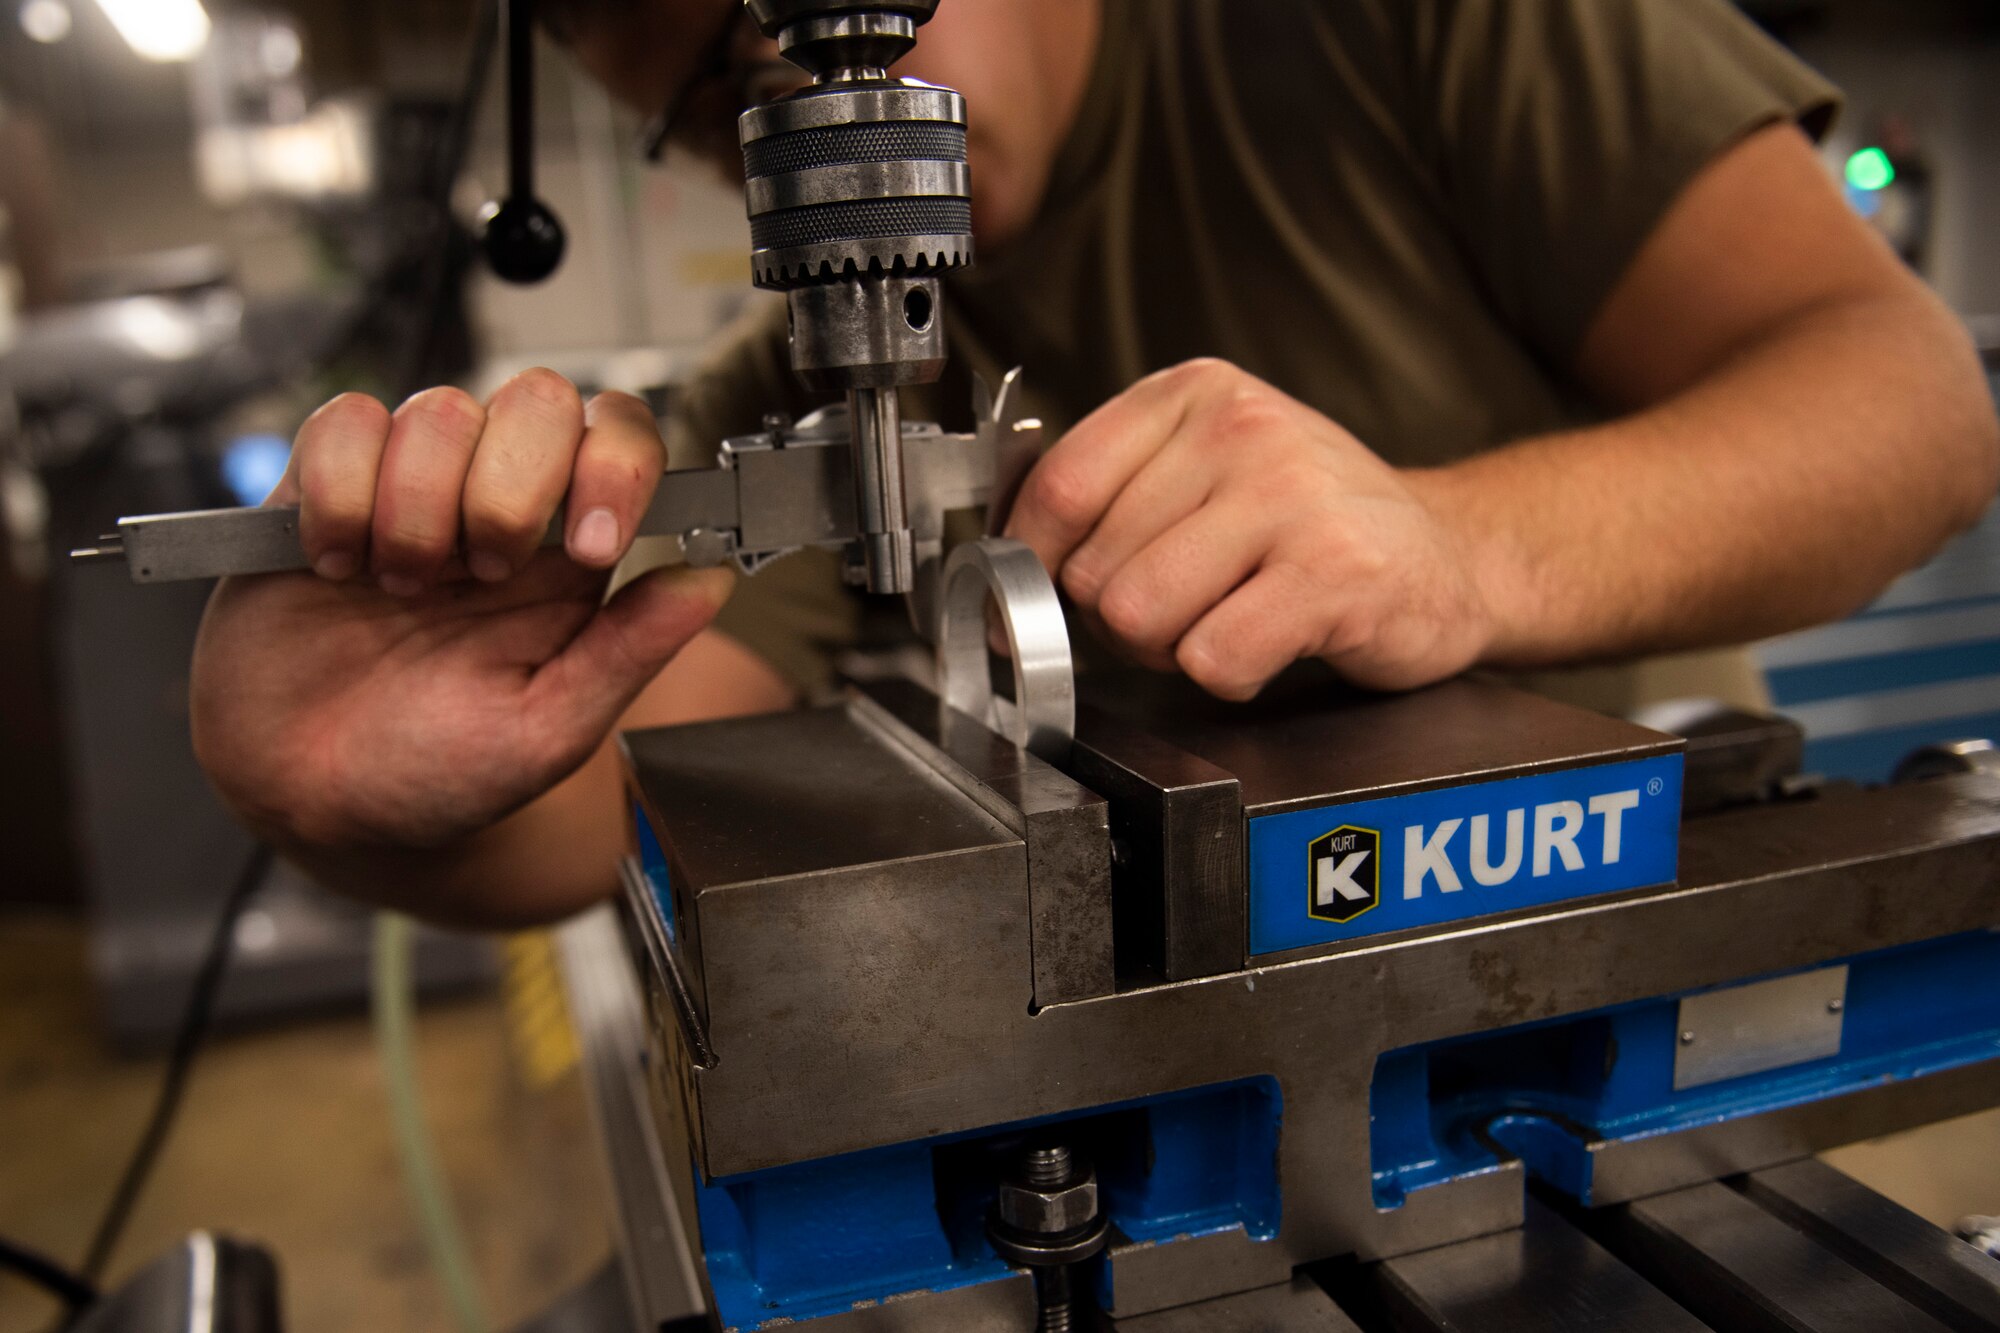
[1042,718]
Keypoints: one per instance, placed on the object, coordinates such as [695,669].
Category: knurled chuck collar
[860,173]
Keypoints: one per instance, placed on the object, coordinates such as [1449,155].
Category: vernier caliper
[767,495]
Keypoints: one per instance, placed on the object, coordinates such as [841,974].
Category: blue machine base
[1448,1110]
[818,1238]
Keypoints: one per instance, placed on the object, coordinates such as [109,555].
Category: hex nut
[1048,1212]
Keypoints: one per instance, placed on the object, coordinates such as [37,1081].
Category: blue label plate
[1345,872]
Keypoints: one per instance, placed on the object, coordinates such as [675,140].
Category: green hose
[394,1006]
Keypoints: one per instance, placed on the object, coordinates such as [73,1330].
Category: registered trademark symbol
[1655,787]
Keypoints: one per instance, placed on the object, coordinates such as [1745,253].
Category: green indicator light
[1870,169]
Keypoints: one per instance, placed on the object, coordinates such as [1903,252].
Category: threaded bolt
[1054,1307]
[1055,1301]
[1046,1168]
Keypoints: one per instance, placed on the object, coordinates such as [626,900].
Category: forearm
[558,854]
[1784,489]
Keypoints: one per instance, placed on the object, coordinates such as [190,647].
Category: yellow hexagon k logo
[1343,873]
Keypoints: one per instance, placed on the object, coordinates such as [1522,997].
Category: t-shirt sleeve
[1561,131]
[744,375]
[794,614]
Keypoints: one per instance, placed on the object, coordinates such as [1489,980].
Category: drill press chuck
[860,197]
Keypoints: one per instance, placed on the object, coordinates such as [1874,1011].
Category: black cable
[193,1029]
[453,150]
[456,145]
[72,1289]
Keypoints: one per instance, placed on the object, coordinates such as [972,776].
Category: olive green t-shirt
[1404,213]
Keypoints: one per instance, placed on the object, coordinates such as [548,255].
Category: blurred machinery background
[214,217]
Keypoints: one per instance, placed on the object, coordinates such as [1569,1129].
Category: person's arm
[423,721]
[446,746]
[1807,422]
[559,854]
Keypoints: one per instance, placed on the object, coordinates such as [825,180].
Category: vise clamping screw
[1047,1219]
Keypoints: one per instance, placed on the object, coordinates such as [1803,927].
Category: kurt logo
[1346,873]
[1444,854]
[1495,851]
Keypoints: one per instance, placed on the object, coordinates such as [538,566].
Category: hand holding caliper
[331,707]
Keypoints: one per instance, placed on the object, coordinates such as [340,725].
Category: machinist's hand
[438,671]
[1212,524]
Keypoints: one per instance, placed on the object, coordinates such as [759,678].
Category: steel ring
[1042,718]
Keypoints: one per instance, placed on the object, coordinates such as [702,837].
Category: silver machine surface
[1058,1006]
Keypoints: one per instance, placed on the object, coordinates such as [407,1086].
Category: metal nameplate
[1344,872]
[1762,1026]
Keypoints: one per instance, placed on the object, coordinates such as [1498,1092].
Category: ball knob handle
[522,239]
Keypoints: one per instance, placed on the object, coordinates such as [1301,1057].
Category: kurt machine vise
[985,1009]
